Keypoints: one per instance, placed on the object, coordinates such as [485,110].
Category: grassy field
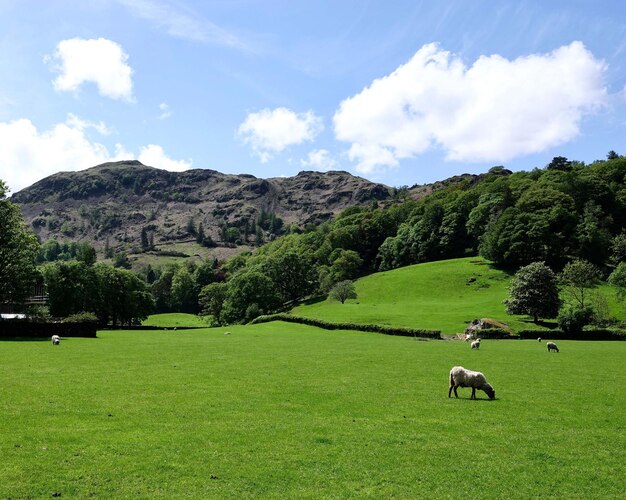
[170,320]
[283,410]
[444,295]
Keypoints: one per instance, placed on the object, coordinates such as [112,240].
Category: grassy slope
[170,320]
[288,411]
[434,295]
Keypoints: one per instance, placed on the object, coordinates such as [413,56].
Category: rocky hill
[130,207]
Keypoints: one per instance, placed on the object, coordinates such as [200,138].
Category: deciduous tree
[534,291]
[18,251]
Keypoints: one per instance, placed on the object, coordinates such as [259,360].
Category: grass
[170,320]
[444,295]
[283,410]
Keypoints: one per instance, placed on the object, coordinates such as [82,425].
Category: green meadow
[444,295]
[171,320]
[283,410]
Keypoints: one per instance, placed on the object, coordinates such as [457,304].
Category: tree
[293,274]
[145,243]
[612,155]
[18,250]
[184,298]
[618,280]
[247,288]
[212,299]
[343,291]
[578,277]
[534,291]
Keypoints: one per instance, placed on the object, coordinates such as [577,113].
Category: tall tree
[578,277]
[18,250]
[534,291]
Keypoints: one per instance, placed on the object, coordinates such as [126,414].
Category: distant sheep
[476,344]
[552,347]
[56,340]
[226,333]
[539,339]
[460,377]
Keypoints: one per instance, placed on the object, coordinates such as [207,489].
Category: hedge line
[10,329]
[494,333]
[386,330]
[599,334]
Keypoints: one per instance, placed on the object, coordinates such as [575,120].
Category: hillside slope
[117,201]
[444,295]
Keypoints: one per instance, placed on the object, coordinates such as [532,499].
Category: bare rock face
[117,202]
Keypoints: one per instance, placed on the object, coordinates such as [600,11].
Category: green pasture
[288,411]
[444,295]
[171,320]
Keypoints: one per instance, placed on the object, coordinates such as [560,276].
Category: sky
[401,92]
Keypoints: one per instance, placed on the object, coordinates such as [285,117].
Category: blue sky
[400,92]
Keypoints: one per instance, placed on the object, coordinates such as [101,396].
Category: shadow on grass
[545,324]
[312,300]
[24,339]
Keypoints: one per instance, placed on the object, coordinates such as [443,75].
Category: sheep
[539,339]
[476,344]
[460,377]
[56,340]
[552,347]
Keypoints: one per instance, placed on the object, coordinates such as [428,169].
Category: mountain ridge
[116,201]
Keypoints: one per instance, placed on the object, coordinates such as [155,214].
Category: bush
[81,317]
[573,318]
[591,334]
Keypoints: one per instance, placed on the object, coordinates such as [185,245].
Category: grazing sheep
[226,333]
[460,377]
[539,339]
[552,347]
[476,344]
[56,340]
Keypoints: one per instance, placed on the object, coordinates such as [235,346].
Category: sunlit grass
[444,295]
[170,320]
[288,411]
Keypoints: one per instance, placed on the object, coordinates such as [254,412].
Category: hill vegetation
[127,207]
[564,212]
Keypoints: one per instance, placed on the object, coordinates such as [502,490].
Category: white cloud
[28,155]
[153,155]
[271,131]
[495,110]
[165,111]
[319,159]
[100,61]
[178,22]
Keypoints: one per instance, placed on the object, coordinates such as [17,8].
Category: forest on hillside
[563,212]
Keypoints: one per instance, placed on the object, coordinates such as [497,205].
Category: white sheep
[56,340]
[476,344]
[460,377]
[539,339]
[552,347]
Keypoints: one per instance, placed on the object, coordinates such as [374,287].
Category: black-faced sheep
[460,377]
[56,340]
[552,347]
[476,344]
[539,339]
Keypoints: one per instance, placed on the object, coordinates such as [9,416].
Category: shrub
[81,317]
[572,318]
